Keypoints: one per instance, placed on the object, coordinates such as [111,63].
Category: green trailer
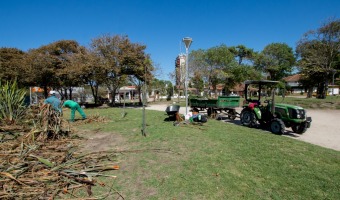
[213,106]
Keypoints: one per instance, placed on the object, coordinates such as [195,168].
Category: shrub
[12,102]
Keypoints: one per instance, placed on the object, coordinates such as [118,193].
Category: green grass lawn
[331,102]
[215,161]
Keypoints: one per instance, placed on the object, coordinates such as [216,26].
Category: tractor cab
[255,91]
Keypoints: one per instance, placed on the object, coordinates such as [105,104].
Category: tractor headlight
[301,114]
[296,113]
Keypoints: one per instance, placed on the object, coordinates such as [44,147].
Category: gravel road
[324,131]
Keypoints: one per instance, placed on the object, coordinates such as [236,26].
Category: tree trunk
[95,96]
[139,89]
[65,93]
[321,91]
[215,90]
[45,91]
[113,95]
[62,96]
[310,92]
[70,92]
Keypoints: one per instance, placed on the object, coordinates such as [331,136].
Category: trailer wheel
[212,113]
[277,126]
[248,118]
[299,128]
[209,111]
[232,114]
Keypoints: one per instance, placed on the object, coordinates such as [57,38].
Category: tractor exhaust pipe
[273,103]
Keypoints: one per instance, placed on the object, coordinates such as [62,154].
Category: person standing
[74,106]
[53,101]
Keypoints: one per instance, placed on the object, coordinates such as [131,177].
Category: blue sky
[161,24]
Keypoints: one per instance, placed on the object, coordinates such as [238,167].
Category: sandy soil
[324,131]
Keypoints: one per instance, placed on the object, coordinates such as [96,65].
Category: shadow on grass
[291,134]
[288,133]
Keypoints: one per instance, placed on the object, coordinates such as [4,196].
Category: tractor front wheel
[277,126]
[248,118]
[299,128]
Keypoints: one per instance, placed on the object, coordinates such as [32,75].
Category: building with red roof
[294,84]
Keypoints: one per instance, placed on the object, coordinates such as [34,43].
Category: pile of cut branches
[42,162]
[47,123]
[45,170]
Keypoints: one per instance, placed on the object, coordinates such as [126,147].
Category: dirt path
[324,131]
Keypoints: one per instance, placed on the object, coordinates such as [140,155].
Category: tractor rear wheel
[277,126]
[248,118]
[299,128]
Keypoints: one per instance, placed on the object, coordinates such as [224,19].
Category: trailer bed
[221,104]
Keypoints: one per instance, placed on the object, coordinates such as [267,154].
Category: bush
[12,102]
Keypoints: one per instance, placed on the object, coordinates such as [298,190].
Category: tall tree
[87,66]
[319,55]
[161,87]
[214,64]
[276,59]
[68,71]
[50,66]
[239,74]
[198,82]
[119,58]
[41,69]
[12,65]
[198,69]
[142,77]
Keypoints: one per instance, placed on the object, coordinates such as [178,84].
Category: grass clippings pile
[43,163]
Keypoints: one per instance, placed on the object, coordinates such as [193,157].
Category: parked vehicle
[221,104]
[276,116]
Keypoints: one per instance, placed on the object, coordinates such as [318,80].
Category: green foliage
[276,59]
[12,107]
[12,65]
[222,65]
[118,58]
[214,65]
[319,53]
[164,88]
[240,73]
[241,52]
[53,66]
[198,82]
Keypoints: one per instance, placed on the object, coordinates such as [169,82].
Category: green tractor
[268,114]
